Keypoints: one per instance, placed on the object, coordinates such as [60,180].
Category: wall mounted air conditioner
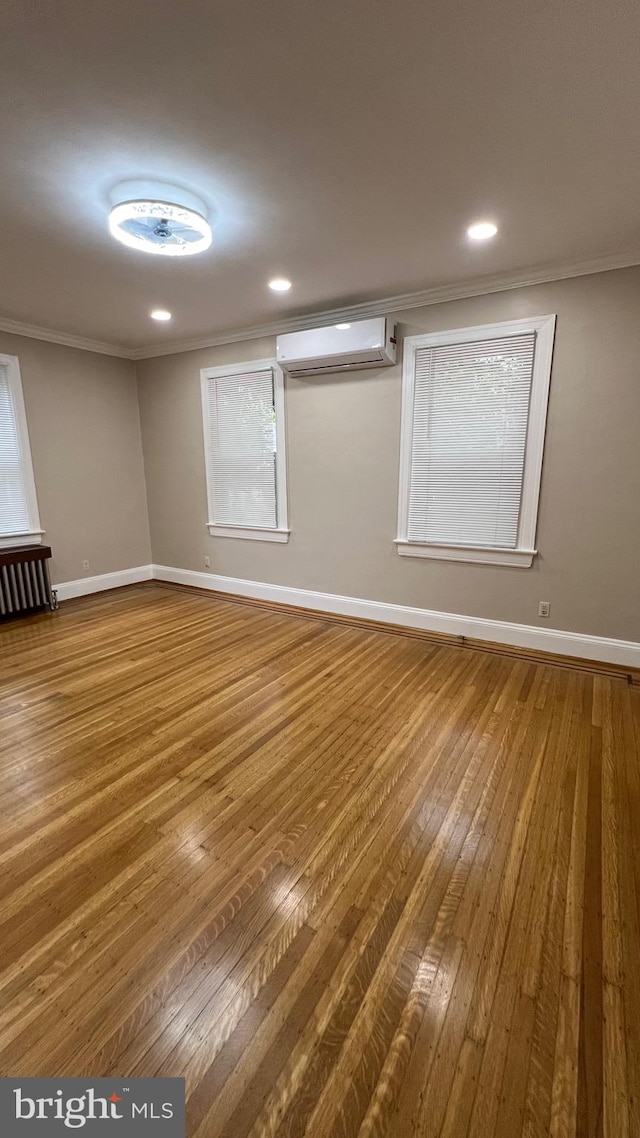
[339,347]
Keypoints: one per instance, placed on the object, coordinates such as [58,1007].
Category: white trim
[216,529]
[440,294]
[17,398]
[281,535]
[239,369]
[545,329]
[65,339]
[522,555]
[573,644]
[67,590]
[32,537]
[282,499]
[482,286]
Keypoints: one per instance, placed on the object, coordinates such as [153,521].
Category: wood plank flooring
[346,883]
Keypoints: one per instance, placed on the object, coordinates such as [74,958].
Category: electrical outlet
[207,562]
[85,564]
[544,608]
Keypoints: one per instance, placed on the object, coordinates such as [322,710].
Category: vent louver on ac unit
[344,347]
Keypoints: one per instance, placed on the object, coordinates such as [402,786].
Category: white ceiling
[344,143]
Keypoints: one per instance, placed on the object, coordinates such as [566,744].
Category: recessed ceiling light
[164,228]
[279,284]
[160,314]
[341,326]
[482,230]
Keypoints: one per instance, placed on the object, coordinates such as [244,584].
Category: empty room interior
[320,569]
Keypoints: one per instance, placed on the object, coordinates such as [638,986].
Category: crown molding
[480,286]
[66,339]
[438,295]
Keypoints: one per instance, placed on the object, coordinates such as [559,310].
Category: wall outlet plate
[544,608]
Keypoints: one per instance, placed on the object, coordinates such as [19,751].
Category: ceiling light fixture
[280,284]
[482,230]
[341,326]
[160,314]
[164,228]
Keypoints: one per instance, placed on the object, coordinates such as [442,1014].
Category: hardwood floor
[345,882]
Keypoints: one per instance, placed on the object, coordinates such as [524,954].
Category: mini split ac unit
[339,347]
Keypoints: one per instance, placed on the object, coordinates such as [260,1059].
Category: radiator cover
[25,585]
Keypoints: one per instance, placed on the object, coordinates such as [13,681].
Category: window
[19,522]
[243,415]
[474,405]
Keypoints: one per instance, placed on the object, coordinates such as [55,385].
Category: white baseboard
[601,648]
[556,641]
[81,588]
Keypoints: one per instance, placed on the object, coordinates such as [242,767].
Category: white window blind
[473,422]
[14,501]
[471,405]
[244,436]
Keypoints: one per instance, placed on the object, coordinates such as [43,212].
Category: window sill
[281,535]
[34,537]
[519,557]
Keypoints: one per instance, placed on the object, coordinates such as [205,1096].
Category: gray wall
[343,444]
[84,432]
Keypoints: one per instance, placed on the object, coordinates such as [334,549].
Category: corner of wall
[134,364]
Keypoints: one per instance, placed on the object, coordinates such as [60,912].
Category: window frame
[282,531]
[523,553]
[34,535]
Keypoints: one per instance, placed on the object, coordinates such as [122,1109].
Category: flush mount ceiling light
[280,284]
[342,326]
[160,314]
[482,230]
[165,228]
